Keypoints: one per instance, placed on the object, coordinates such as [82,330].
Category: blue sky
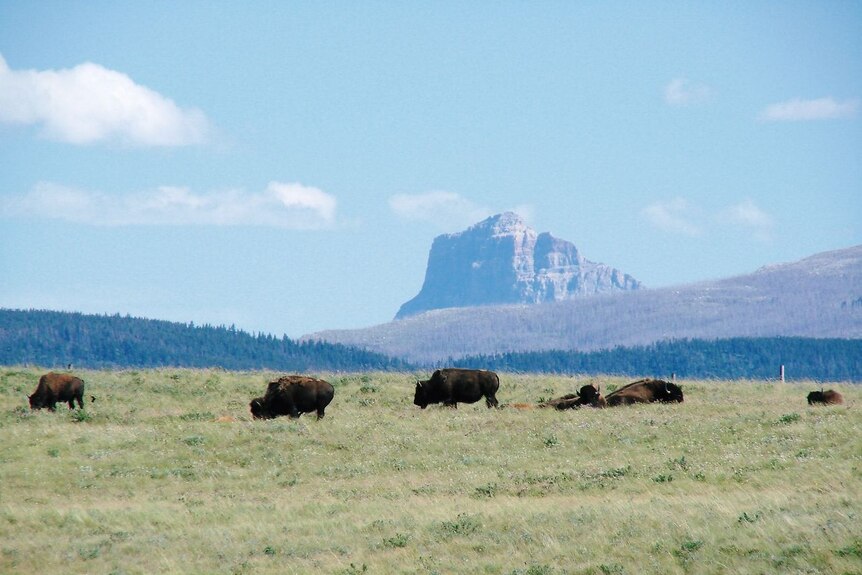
[285,166]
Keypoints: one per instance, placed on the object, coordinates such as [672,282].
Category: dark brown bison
[293,395]
[589,395]
[828,397]
[645,391]
[453,385]
[57,387]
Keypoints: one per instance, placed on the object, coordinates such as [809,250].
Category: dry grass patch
[742,477]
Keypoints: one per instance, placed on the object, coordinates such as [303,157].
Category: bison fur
[588,395]
[645,391]
[828,397]
[451,386]
[56,388]
[293,395]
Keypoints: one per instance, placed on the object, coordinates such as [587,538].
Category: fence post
[781,373]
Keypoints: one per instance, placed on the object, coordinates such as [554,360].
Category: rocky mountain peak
[503,260]
[507,223]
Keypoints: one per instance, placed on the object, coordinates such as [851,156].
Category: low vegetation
[167,473]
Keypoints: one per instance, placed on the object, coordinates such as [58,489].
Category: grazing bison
[452,385]
[645,391]
[293,395]
[57,387]
[828,397]
[589,395]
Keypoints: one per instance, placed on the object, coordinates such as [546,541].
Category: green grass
[743,477]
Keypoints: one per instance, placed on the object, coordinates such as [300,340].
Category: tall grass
[743,477]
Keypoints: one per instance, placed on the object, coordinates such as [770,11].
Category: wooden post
[781,373]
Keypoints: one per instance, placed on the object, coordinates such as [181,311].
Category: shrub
[399,540]
[789,418]
[81,416]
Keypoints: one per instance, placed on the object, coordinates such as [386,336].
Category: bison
[589,395]
[645,391]
[58,387]
[293,395]
[453,385]
[828,397]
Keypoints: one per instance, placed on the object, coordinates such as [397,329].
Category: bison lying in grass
[293,395]
[828,397]
[588,395]
[58,387]
[645,391]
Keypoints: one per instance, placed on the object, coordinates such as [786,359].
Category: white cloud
[679,216]
[748,215]
[681,92]
[315,202]
[804,110]
[448,210]
[292,206]
[89,103]
[675,216]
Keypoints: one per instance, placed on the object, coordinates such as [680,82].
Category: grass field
[744,477]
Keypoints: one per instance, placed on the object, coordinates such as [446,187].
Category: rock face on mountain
[819,296]
[502,260]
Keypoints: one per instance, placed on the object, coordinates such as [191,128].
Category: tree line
[52,339]
[732,358]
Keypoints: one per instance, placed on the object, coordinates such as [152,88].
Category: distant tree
[58,338]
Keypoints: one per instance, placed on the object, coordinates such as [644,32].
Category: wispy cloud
[282,205]
[448,210]
[681,92]
[806,110]
[675,216]
[748,215]
[89,103]
[679,216]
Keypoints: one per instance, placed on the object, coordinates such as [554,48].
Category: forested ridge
[830,359]
[52,338]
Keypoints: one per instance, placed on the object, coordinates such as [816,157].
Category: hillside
[820,296]
[51,338]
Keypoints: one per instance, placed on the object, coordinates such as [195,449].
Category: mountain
[502,260]
[820,296]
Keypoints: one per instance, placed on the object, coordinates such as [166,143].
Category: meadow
[166,472]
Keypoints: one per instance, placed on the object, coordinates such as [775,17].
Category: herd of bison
[294,395]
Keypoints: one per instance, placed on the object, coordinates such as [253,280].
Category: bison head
[420,398]
[671,392]
[588,393]
[36,401]
[258,408]
[592,395]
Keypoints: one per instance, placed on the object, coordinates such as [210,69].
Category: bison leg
[320,412]
[491,401]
